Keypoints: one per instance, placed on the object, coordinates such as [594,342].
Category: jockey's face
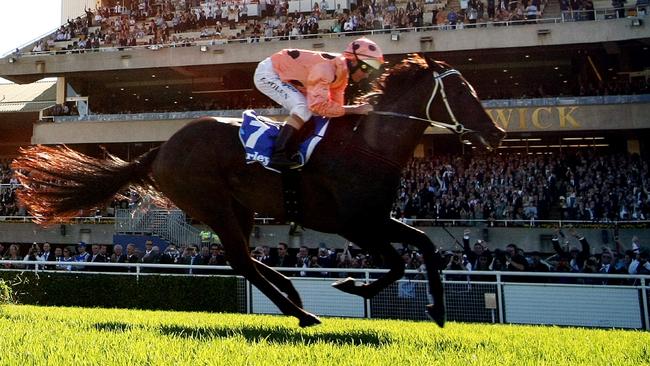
[359,74]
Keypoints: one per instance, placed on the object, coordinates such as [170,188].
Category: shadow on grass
[279,335]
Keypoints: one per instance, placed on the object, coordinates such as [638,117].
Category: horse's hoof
[437,314]
[346,285]
[309,320]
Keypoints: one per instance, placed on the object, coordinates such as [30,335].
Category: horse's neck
[393,138]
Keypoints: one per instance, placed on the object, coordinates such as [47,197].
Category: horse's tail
[57,182]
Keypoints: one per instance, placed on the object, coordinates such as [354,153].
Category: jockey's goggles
[370,65]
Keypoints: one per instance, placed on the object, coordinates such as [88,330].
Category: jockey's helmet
[366,51]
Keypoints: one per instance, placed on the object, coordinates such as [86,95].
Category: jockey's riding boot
[282,157]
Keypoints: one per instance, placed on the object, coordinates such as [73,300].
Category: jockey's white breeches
[268,82]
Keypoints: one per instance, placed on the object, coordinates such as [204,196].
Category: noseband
[438,85]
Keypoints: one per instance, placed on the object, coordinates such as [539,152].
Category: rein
[456,127]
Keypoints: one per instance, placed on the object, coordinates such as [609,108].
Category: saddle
[257,135]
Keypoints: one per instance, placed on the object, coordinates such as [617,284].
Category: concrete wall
[499,237]
[529,119]
[271,235]
[28,232]
[425,41]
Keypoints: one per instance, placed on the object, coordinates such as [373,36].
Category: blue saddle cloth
[258,133]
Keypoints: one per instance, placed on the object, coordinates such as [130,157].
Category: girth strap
[291,179]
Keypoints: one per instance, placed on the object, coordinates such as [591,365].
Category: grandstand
[564,82]
[567,80]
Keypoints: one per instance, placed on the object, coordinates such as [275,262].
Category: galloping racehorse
[347,188]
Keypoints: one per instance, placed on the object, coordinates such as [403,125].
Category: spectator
[82,255]
[47,255]
[131,256]
[578,257]
[324,8]
[477,252]
[514,260]
[643,268]
[531,12]
[266,256]
[150,256]
[191,257]
[217,257]
[170,255]
[303,260]
[95,257]
[118,256]
[283,259]
[13,255]
[33,254]
[66,258]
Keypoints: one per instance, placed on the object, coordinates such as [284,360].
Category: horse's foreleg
[280,281]
[402,233]
[391,256]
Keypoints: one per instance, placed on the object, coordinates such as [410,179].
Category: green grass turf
[32,335]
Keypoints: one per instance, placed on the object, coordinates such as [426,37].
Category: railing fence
[571,299]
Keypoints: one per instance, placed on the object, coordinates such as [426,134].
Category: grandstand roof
[28,97]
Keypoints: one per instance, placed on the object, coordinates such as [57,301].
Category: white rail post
[644,301]
[367,301]
[249,296]
[500,297]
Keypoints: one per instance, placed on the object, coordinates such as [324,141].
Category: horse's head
[449,100]
[454,104]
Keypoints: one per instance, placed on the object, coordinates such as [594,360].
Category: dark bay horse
[347,188]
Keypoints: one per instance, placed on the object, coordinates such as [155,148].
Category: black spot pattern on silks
[294,54]
[327,56]
[372,47]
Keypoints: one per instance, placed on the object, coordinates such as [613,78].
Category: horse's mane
[399,78]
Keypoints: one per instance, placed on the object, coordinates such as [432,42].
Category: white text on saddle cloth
[257,135]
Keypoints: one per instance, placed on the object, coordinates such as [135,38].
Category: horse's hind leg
[402,233]
[391,256]
[235,242]
[284,284]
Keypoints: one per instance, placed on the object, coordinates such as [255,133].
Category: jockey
[308,82]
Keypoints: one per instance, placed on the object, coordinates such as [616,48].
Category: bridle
[438,85]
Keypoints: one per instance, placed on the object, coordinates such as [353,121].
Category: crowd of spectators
[572,254]
[182,23]
[84,256]
[567,258]
[580,185]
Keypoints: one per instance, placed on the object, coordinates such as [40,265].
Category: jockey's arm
[318,96]
[326,101]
